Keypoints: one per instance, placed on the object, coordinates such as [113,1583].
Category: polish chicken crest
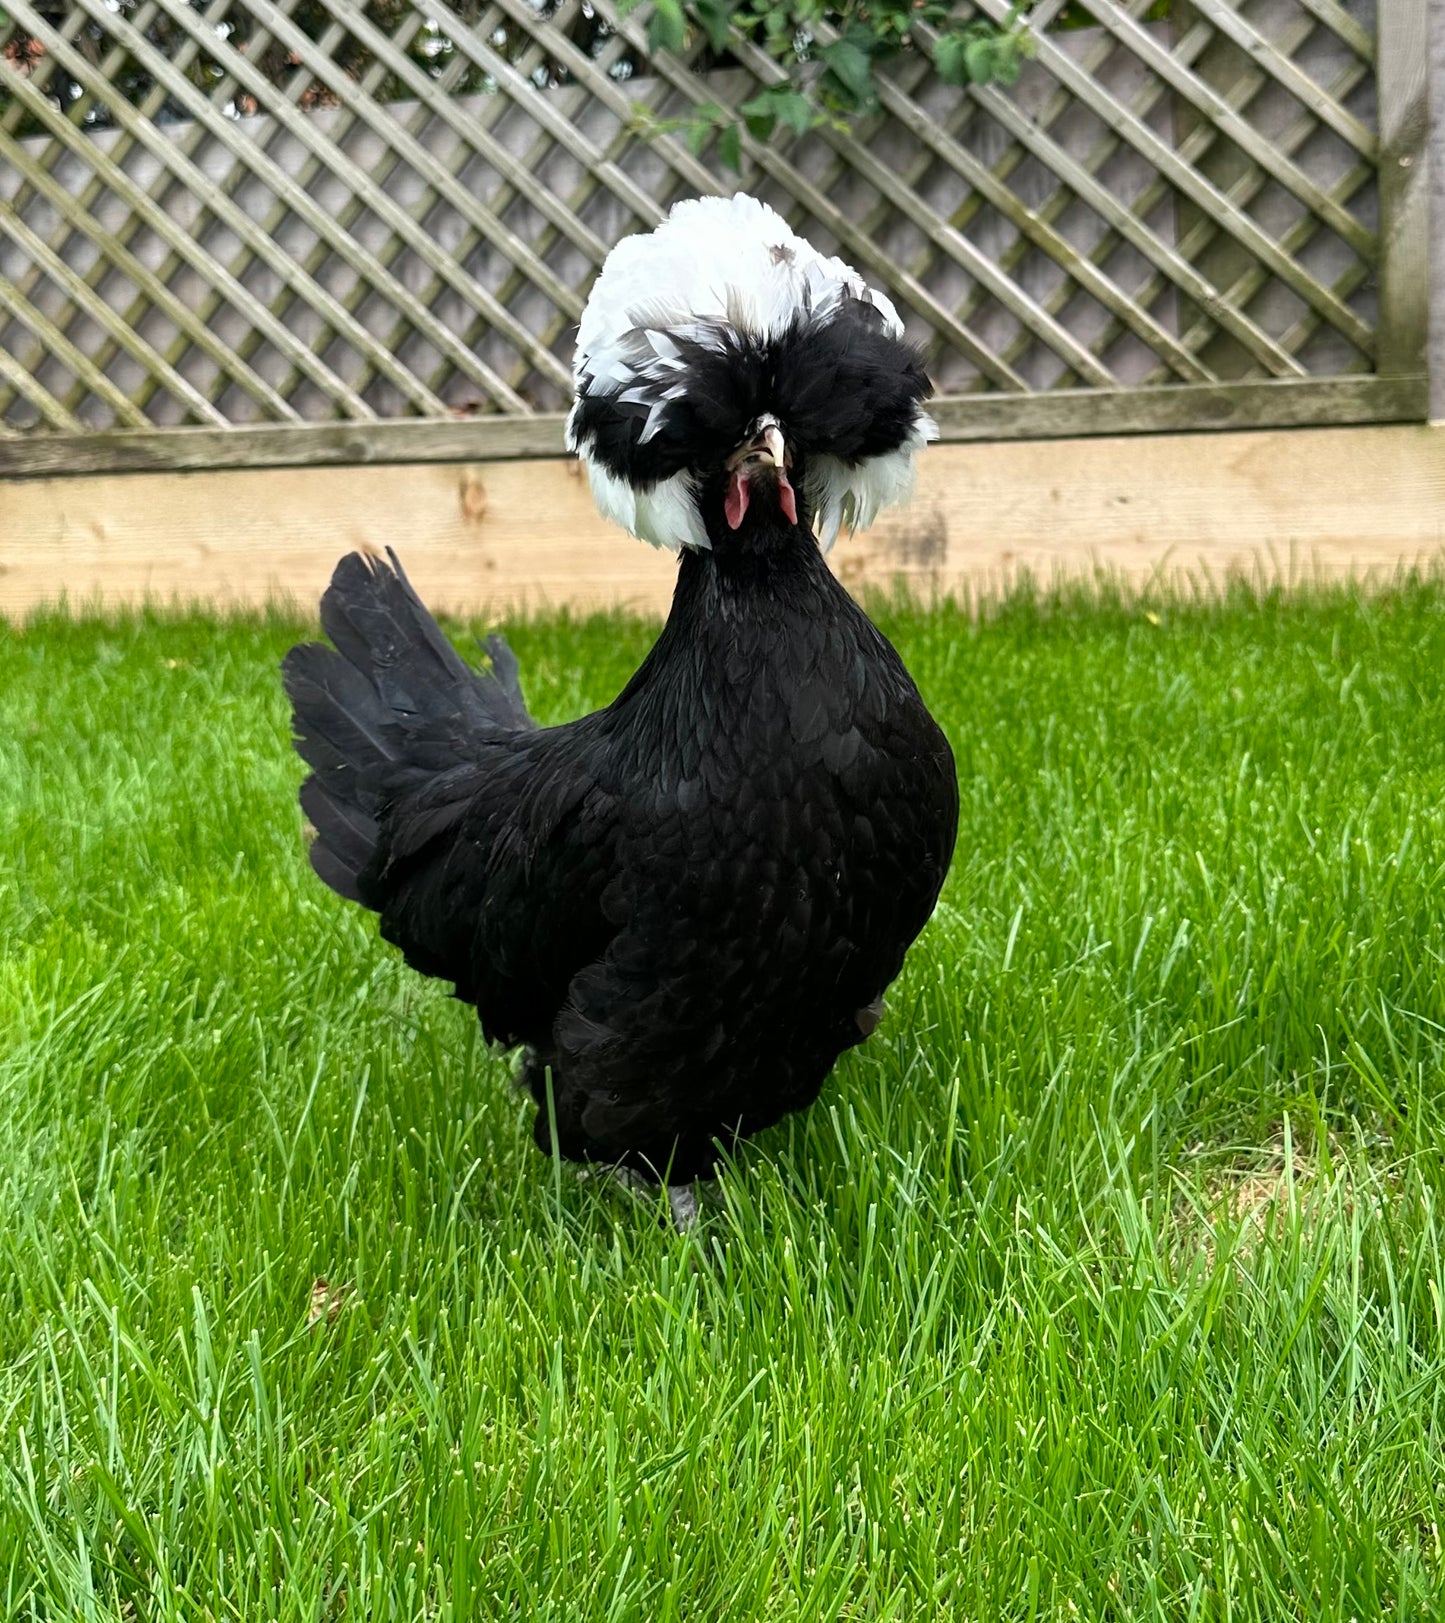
[684,907]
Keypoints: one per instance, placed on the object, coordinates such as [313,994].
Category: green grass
[1105,1282]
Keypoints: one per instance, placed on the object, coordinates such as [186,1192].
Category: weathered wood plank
[1185,408]
[309,133]
[1233,25]
[1126,223]
[443,183]
[1404,93]
[494,539]
[1067,414]
[1348,28]
[1033,225]
[1188,181]
[291,446]
[156,218]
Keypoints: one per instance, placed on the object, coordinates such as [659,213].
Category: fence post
[1403,69]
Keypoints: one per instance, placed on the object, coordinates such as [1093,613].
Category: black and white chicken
[683,907]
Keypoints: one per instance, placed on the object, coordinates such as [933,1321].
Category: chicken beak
[766,448]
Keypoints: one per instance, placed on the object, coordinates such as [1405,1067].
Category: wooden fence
[379,251]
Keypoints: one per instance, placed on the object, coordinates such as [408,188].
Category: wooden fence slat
[1224,118]
[1246,188]
[43,71]
[1343,25]
[31,389]
[970,110]
[561,128]
[1235,26]
[156,218]
[1032,227]
[75,210]
[1132,229]
[1193,185]
[442,183]
[953,243]
[305,207]
[1404,79]
[39,77]
[280,212]
[151,288]
[45,258]
[1031,315]
[131,318]
[189,324]
[1254,276]
[475,134]
[50,338]
[589,185]
[225,131]
[1061,414]
[1108,143]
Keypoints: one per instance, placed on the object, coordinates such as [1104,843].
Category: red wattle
[786,500]
[736,503]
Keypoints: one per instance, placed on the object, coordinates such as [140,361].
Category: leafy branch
[831,54]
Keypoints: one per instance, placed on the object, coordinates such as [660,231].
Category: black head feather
[842,385]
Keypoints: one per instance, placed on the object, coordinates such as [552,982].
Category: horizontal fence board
[497,538]
[1185,407]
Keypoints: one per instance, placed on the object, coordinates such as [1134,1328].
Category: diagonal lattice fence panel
[247,212]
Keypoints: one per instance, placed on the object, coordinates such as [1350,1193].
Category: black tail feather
[390,686]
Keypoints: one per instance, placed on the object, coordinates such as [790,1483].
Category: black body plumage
[684,906]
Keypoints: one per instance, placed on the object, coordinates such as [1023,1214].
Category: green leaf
[716,18]
[783,103]
[949,59]
[851,66]
[667,26]
[760,116]
[730,149]
[1008,63]
[978,57]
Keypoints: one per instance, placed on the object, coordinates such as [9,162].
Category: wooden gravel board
[499,537]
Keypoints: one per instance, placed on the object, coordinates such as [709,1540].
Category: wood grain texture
[1058,414]
[500,537]
[1404,88]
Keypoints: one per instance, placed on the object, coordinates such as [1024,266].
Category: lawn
[1105,1282]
